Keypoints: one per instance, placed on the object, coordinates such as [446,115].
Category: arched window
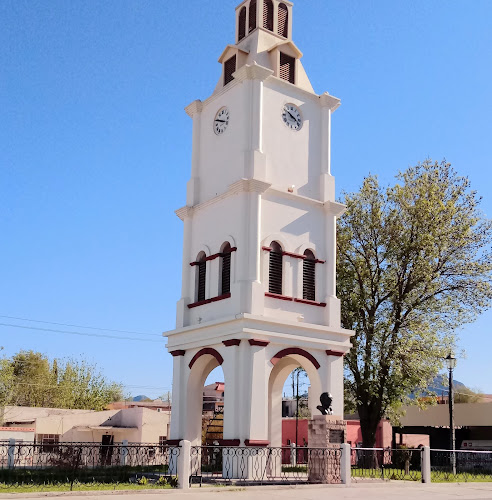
[309,276]
[252,15]
[283,20]
[225,269]
[242,24]
[268,14]
[275,269]
[201,276]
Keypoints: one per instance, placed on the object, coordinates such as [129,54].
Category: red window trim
[258,342]
[335,353]
[214,256]
[179,352]
[258,443]
[295,255]
[203,352]
[209,301]
[229,442]
[310,302]
[231,342]
[276,296]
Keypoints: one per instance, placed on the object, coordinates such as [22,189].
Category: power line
[84,334]
[80,326]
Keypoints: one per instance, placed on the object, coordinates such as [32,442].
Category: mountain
[141,398]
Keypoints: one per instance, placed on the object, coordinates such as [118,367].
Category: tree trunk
[369,421]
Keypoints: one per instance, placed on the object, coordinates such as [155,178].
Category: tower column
[331,375]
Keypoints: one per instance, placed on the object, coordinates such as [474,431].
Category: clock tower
[259,252]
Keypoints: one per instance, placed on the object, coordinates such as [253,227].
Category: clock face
[292,116]
[221,121]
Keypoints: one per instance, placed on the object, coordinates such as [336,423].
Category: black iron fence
[30,464]
[386,463]
[249,465]
[463,466]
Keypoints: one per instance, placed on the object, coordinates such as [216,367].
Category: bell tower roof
[264,38]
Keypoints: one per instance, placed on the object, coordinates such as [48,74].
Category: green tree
[414,263]
[30,379]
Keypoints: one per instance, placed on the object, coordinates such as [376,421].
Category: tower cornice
[329,101]
[194,108]
[252,72]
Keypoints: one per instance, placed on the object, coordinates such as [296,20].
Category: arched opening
[225,269]
[268,15]
[309,276]
[283,431]
[275,269]
[252,15]
[200,277]
[283,20]
[242,24]
[205,399]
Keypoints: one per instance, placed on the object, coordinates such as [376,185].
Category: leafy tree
[30,379]
[414,263]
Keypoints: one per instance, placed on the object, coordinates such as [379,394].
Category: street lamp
[451,364]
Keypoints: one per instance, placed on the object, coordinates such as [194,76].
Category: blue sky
[95,149]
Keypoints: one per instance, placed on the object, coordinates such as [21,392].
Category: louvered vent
[287,68]
[202,277]
[268,15]
[275,269]
[242,24]
[283,20]
[229,69]
[226,272]
[309,276]
[252,15]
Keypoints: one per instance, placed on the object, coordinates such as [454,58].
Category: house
[55,425]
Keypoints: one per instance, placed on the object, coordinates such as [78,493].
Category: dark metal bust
[326,400]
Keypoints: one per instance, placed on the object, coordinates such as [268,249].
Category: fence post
[11,454]
[345,463]
[184,465]
[124,452]
[426,464]
[293,454]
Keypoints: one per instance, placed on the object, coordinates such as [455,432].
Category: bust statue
[325,408]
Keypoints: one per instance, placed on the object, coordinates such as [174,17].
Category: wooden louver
[268,15]
[283,20]
[275,269]
[309,277]
[202,277]
[229,69]
[287,68]
[252,15]
[226,271]
[242,24]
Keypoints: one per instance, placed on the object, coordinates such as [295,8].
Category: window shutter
[226,272]
[275,270]
[229,69]
[202,276]
[252,15]
[242,24]
[283,20]
[309,277]
[287,68]
[268,15]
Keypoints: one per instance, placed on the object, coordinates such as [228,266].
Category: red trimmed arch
[294,350]
[207,350]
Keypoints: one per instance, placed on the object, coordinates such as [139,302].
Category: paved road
[377,491]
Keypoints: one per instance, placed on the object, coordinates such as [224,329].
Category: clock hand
[292,116]
[221,121]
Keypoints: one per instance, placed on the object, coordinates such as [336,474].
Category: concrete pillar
[179,398]
[345,464]
[426,464]
[124,452]
[331,375]
[11,454]
[184,465]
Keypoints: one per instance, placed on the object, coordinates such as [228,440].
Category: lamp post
[451,364]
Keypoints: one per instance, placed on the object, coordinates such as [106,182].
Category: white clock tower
[259,252]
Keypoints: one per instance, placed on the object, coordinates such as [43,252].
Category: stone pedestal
[325,435]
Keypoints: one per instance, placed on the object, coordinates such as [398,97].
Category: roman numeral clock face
[292,117]
[221,121]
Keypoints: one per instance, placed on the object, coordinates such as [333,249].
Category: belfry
[259,251]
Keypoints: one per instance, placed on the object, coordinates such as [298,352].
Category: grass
[436,477]
[294,468]
[36,488]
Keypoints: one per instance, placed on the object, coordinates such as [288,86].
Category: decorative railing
[386,463]
[32,464]
[463,466]
[249,465]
